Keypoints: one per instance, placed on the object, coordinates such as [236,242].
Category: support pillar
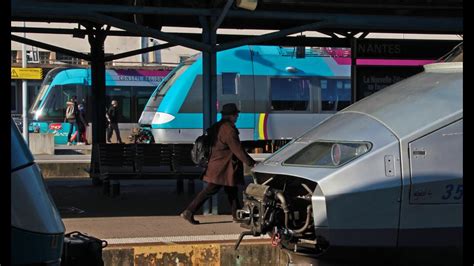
[24,86]
[96,40]
[24,95]
[209,88]
[209,74]
[99,105]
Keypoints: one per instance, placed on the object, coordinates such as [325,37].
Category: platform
[143,227]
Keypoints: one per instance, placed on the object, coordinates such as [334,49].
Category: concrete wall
[41,143]
[63,170]
[249,253]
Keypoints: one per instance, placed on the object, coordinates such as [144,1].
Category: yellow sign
[27,73]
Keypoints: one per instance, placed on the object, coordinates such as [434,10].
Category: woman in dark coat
[225,168]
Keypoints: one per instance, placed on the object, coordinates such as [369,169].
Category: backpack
[70,112]
[201,151]
[81,249]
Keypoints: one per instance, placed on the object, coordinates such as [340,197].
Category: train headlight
[38,114]
[329,154]
[162,118]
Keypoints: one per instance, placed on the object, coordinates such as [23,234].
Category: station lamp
[247,4]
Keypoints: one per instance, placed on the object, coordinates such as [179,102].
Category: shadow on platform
[77,197]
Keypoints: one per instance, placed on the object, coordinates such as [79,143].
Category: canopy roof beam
[341,21]
[223,14]
[139,51]
[50,47]
[271,36]
[118,23]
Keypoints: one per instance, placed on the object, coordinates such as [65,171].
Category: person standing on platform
[112,119]
[82,124]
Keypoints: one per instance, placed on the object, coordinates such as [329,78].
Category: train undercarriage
[281,207]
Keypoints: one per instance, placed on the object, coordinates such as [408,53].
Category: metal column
[24,85]
[209,87]
[96,41]
[209,73]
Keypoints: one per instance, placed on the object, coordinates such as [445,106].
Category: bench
[153,160]
[142,161]
[117,161]
[183,166]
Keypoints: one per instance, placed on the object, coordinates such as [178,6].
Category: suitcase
[81,249]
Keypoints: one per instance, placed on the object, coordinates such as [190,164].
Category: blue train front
[130,87]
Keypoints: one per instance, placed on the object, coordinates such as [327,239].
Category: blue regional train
[130,87]
[280,95]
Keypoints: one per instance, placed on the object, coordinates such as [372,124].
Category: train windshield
[328,154]
[44,88]
[164,86]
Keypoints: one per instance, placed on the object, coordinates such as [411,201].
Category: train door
[434,213]
[290,108]
[139,100]
[236,88]
[235,84]
[436,167]
[124,97]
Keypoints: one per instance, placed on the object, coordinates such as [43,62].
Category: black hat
[230,109]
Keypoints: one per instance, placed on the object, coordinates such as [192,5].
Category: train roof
[274,60]
[113,76]
[417,102]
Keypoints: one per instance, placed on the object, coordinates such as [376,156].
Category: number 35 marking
[449,192]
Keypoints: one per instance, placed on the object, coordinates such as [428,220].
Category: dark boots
[189,216]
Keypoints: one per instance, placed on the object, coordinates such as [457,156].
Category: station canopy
[147,17]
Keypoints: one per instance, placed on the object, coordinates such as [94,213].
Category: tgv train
[385,172]
[37,231]
[278,94]
[130,87]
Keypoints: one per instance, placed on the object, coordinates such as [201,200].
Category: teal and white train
[130,87]
[280,96]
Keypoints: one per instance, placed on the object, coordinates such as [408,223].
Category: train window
[123,96]
[42,93]
[347,84]
[230,83]
[142,94]
[33,90]
[171,79]
[329,154]
[289,94]
[55,106]
[193,101]
[335,94]
[324,84]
